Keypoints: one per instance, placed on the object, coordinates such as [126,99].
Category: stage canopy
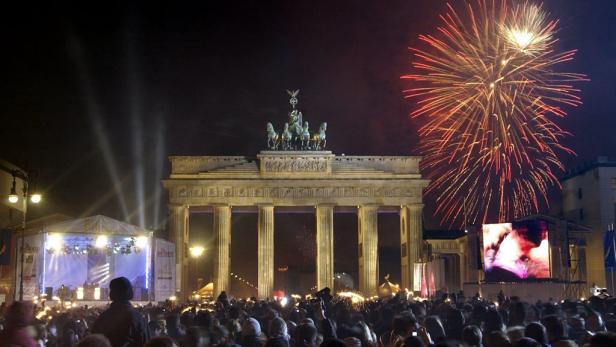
[97,225]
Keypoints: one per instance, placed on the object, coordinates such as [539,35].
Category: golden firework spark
[487,91]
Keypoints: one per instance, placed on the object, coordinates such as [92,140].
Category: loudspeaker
[104,293]
[144,295]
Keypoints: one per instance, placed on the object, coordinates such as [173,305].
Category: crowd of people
[324,320]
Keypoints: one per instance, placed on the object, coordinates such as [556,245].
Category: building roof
[588,166]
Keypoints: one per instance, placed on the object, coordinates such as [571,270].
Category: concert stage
[74,261]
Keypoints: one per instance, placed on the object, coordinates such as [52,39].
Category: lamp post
[196,252]
[13,198]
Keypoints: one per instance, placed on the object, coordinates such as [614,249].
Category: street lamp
[13,197]
[35,198]
[196,252]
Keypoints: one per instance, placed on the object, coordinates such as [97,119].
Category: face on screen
[516,251]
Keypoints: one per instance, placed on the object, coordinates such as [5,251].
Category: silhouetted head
[120,289]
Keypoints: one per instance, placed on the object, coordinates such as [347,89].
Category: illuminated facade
[589,198]
[298,179]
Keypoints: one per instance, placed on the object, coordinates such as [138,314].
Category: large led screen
[516,251]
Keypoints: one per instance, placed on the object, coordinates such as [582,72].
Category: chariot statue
[296,133]
[295,124]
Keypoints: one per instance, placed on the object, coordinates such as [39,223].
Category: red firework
[487,91]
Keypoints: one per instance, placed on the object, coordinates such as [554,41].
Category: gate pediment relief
[290,163]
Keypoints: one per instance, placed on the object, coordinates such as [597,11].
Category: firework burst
[487,93]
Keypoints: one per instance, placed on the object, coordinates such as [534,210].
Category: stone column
[411,242]
[325,246]
[222,243]
[265,266]
[178,234]
[463,259]
[367,238]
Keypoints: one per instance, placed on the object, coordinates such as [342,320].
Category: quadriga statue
[319,140]
[287,138]
[272,137]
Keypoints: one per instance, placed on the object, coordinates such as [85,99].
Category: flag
[5,247]
[609,250]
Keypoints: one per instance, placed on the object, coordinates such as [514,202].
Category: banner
[32,265]
[164,269]
[5,247]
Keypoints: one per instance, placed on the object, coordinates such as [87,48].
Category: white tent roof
[97,225]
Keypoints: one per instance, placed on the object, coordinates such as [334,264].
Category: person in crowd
[155,329]
[121,323]
[251,333]
[497,338]
[577,329]
[594,322]
[402,327]
[454,324]
[517,314]
[52,335]
[603,340]
[352,342]
[493,321]
[305,335]
[196,336]
[94,340]
[413,341]
[333,343]
[17,320]
[41,335]
[161,341]
[471,336]
[435,328]
[69,338]
[174,328]
[527,342]
[557,335]
[335,322]
[610,324]
[278,333]
[220,336]
[537,332]
[515,333]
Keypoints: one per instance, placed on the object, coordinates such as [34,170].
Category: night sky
[84,89]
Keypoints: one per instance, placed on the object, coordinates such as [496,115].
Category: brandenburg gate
[297,176]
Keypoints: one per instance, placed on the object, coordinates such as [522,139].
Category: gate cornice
[288,178]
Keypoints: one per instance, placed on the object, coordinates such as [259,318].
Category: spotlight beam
[94,113]
[159,162]
[104,199]
[136,121]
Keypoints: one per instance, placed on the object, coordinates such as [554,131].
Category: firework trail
[487,93]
